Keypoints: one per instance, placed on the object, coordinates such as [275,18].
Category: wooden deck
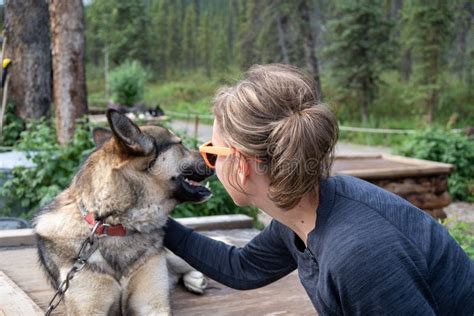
[284,297]
[370,167]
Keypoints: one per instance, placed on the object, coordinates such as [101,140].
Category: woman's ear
[243,171]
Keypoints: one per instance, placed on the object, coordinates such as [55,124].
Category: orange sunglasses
[210,153]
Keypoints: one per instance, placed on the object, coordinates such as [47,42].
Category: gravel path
[461,211]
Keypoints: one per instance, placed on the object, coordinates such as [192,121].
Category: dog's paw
[195,281]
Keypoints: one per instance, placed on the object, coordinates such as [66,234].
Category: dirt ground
[461,211]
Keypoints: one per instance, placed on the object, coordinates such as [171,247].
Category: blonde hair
[274,114]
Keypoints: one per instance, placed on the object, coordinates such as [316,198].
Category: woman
[358,249]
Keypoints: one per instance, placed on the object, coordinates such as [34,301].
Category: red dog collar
[105,229]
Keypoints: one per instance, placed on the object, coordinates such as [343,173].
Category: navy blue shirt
[371,252]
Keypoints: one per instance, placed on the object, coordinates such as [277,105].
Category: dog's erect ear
[128,135]
[101,135]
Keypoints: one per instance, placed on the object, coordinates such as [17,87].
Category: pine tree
[428,30]
[173,40]
[219,52]
[359,42]
[158,37]
[122,27]
[204,43]
[247,33]
[189,37]
[266,42]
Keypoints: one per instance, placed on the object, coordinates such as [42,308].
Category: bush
[439,145]
[463,233]
[32,188]
[220,203]
[12,126]
[127,83]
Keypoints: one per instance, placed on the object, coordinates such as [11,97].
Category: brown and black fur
[135,177]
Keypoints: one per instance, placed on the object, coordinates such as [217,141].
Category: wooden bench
[423,183]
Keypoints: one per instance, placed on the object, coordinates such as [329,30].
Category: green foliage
[187,94]
[463,233]
[118,27]
[31,188]
[204,44]
[189,37]
[393,108]
[220,203]
[438,145]
[12,126]
[359,49]
[427,30]
[127,83]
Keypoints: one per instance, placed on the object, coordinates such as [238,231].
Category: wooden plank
[217,222]
[391,173]
[387,166]
[358,156]
[284,297]
[17,237]
[26,237]
[13,301]
[445,167]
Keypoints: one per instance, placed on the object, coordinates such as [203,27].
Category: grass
[463,233]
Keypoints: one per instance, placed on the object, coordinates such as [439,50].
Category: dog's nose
[203,169]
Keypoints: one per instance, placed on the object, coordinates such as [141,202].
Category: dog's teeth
[191,182]
[207,185]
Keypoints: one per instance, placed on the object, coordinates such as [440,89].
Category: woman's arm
[263,260]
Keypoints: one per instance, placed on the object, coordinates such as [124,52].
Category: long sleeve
[391,276]
[263,260]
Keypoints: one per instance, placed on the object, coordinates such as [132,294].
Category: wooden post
[196,125]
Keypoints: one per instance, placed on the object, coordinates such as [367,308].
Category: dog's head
[138,172]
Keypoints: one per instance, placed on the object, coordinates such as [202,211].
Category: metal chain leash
[88,247]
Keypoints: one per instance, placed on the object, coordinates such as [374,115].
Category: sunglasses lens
[212,159]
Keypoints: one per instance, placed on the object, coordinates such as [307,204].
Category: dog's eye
[150,164]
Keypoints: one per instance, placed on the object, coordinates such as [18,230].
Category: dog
[130,183]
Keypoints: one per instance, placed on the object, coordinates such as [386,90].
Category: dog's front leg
[147,292]
[92,293]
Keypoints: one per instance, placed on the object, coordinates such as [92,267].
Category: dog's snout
[203,169]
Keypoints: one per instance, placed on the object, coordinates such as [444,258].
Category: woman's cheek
[219,166]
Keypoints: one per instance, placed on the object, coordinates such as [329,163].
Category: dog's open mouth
[189,188]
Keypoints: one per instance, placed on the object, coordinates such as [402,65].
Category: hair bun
[273,112]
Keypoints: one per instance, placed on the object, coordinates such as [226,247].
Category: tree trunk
[406,65]
[281,36]
[69,87]
[463,29]
[28,46]
[309,44]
